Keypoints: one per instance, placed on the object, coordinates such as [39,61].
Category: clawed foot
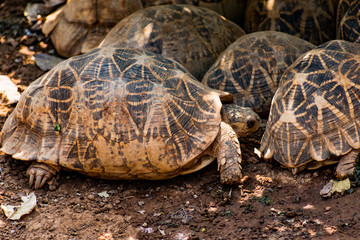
[39,174]
[346,165]
[231,175]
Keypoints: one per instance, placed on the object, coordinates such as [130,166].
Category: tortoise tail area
[23,133]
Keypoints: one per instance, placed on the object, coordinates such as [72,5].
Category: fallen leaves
[16,212]
[335,186]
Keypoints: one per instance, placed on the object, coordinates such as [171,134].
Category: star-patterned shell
[117,114]
[315,112]
[312,20]
[349,22]
[193,36]
[80,25]
[251,67]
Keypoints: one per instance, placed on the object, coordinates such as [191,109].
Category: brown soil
[270,204]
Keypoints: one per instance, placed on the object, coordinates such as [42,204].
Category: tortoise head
[242,119]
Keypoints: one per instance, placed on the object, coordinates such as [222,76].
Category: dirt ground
[270,204]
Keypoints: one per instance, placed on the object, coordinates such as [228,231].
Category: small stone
[290,213]
[327,208]
[145,224]
[46,62]
[29,40]
[91,197]
[108,206]
[184,221]
[43,45]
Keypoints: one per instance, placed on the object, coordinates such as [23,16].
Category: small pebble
[108,206]
[91,197]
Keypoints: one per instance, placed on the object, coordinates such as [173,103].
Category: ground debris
[335,186]
[16,212]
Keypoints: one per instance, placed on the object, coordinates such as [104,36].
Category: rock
[46,62]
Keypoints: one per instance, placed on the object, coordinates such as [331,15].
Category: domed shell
[315,112]
[81,25]
[251,67]
[193,36]
[349,23]
[312,20]
[342,8]
[115,114]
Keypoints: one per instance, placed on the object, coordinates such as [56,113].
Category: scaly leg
[228,153]
[41,173]
[346,166]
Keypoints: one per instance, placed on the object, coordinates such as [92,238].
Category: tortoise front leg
[346,166]
[40,173]
[228,153]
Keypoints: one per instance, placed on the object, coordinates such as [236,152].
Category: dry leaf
[335,186]
[103,194]
[8,91]
[16,212]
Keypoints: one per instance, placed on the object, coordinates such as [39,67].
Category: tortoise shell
[315,112]
[314,21]
[85,23]
[342,8]
[251,67]
[193,36]
[115,114]
[349,23]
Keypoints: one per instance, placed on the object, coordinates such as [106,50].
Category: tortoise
[342,8]
[349,22]
[87,22]
[234,10]
[193,36]
[251,67]
[314,21]
[118,113]
[315,113]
